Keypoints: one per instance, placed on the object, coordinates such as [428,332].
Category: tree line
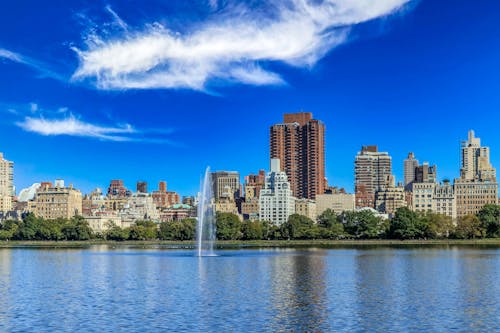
[405,225]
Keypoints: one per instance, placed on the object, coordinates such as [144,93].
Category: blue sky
[97,90]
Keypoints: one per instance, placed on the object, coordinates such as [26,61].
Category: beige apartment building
[250,208]
[306,207]
[477,185]
[53,202]
[435,198]
[390,199]
[6,184]
[338,202]
[472,196]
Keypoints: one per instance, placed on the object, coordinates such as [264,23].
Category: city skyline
[441,60]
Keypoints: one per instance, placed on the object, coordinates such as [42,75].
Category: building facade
[338,202]
[53,202]
[299,144]
[410,163]
[276,201]
[6,184]
[306,207]
[477,185]
[372,173]
[391,198]
[225,183]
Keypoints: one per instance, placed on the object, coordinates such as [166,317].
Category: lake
[104,288]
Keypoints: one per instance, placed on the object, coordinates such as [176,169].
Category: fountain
[205,227]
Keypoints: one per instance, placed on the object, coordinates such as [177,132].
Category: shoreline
[252,244]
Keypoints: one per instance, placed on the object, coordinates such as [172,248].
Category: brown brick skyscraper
[299,143]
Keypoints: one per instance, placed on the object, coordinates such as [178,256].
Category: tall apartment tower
[299,144]
[477,185]
[410,164]
[6,184]
[476,160]
[372,173]
[276,201]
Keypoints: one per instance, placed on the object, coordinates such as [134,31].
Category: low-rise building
[53,202]
[306,207]
[390,199]
[338,202]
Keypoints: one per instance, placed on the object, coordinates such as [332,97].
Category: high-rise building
[117,189]
[476,160]
[142,187]
[6,184]
[53,202]
[299,143]
[410,164]
[425,173]
[226,183]
[477,185]
[276,202]
[372,172]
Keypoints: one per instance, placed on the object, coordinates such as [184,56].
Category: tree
[407,224]
[329,225]
[489,216]
[438,225]
[251,230]
[469,227]
[327,219]
[228,226]
[364,224]
[117,234]
[299,227]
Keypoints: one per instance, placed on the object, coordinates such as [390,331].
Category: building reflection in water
[5,286]
[299,291]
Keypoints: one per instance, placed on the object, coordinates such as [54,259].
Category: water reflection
[131,289]
[299,291]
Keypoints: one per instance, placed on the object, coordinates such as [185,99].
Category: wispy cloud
[236,45]
[41,68]
[62,122]
[75,127]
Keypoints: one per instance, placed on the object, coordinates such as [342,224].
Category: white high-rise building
[276,201]
[6,184]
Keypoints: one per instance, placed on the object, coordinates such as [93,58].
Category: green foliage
[489,216]
[407,224]
[228,226]
[363,225]
[178,230]
[329,225]
[252,230]
[116,233]
[299,227]
[469,227]
[143,230]
[438,226]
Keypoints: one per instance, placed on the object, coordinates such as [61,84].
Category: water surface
[129,289]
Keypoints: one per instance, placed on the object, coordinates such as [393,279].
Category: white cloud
[232,46]
[42,69]
[12,56]
[74,127]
